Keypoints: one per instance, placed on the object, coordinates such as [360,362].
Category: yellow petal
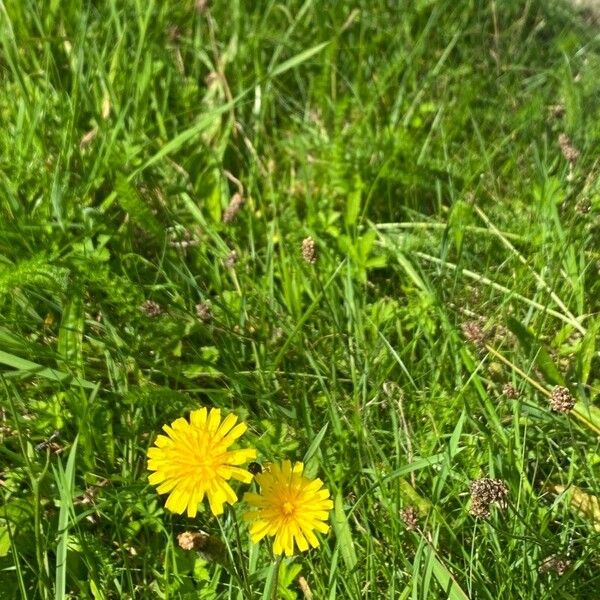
[167,486]
[180,424]
[301,541]
[198,417]
[214,418]
[176,502]
[234,434]
[162,441]
[225,427]
[258,530]
[239,457]
[235,473]
[156,478]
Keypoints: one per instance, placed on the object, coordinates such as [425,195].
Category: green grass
[415,141]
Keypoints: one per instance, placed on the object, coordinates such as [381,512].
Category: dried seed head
[210,547]
[233,208]
[277,335]
[561,399]
[192,540]
[410,517]
[212,79]
[569,151]
[556,110]
[201,5]
[309,250]
[88,138]
[510,391]
[305,588]
[480,510]
[489,490]
[204,312]
[583,206]
[182,238]
[105,110]
[556,563]
[484,493]
[473,332]
[231,259]
[174,34]
[151,309]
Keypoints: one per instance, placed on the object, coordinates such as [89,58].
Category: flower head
[193,461]
[289,506]
[561,399]
[484,493]
[309,250]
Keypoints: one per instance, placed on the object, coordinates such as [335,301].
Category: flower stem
[236,567]
[273,581]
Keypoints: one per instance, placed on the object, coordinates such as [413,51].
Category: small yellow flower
[193,460]
[289,507]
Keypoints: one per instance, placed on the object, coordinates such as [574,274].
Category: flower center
[288,508]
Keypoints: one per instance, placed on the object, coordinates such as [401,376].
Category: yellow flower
[290,507]
[193,460]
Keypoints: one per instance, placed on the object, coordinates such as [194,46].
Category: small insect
[50,443]
[255,468]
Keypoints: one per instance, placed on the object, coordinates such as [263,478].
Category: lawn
[368,230]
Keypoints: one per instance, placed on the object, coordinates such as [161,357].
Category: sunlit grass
[367,230]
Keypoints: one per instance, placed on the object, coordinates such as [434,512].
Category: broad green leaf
[65,481]
[210,195]
[460,217]
[315,443]
[28,368]
[135,207]
[587,351]
[353,203]
[445,578]
[365,244]
[4,540]
[343,533]
[70,335]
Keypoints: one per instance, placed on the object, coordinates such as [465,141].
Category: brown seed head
[556,563]
[583,206]
[561,399]
[88,138]
[510,391]
[480,510]
[211,548]
[174,34]
[204,312]
[410,517]
[304,588]
[182,239]
[231,259]
[556,110]
[309,250]
[233,208]
[151,309]
[473,332]
[569,151]
[192,540]
[484,493]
